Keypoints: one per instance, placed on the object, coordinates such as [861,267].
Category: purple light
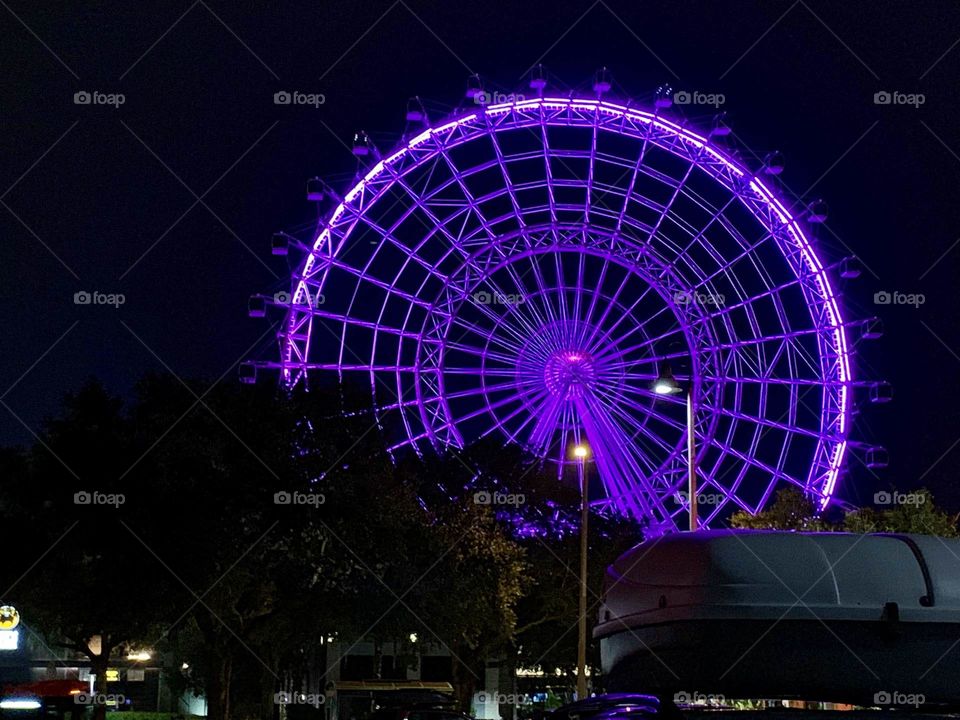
[531,291]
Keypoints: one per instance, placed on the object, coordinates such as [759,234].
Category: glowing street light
[581,452]
[666,384]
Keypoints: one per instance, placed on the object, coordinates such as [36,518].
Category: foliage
[917,514]
[914,512]
[543,516]
[790,510]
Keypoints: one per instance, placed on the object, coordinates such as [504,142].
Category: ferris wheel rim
[837,347]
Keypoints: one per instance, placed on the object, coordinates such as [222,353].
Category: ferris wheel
[528,269]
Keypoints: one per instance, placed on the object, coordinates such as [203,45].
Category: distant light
[580,452]
[19,704]
[9,617]
[9,639]
[139,656]
[185,666]
[413,637]
[573,357]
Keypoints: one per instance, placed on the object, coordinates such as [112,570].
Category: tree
[82,585]
[245,474]
[913,512]
[542,516]
[790,510]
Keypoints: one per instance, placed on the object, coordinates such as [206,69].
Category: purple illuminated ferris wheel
[526,270]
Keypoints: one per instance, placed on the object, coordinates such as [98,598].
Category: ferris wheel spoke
[611,303]
[487,390]
[775,382]
[455,242]
[615,406]
[638,329]
[568,426]
[613,452]
[490,335]
[744,457]
[589,329]
[507,182]
[773,424]
[578,298]
[411,253]
[489,372]
[349,320]
[538,319]
[526,402]
[604,339]
[548,175]
[668,207]
[633,182]
[560,286]
[479,352]
[547,418]
[530,416]
[618,358]
[485,224]
[511,309]
[716,214]
[451,424]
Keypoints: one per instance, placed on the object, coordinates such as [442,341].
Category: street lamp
[581,452]
[666,384]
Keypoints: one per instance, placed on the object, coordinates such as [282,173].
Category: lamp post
[580,452]
[666,384]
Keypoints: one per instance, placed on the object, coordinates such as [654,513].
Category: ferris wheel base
[871,620]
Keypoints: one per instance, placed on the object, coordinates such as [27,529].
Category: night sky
[171,197]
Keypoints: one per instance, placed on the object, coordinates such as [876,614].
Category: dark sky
[171,198]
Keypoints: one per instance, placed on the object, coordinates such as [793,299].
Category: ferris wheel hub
[569,373]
